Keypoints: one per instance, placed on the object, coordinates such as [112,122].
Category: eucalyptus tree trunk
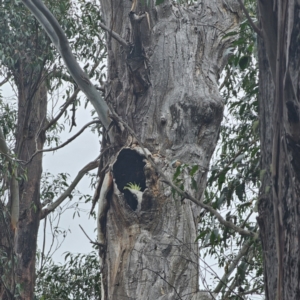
[20,245]
[165,88]
[279,85]
[32,110]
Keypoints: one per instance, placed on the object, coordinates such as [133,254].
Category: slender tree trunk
[30,136]
[165,88]
[32,109]
[279,86]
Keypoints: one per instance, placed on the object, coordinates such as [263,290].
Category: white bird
[138,195]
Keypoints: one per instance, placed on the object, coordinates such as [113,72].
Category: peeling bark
[279,217]
[165,88]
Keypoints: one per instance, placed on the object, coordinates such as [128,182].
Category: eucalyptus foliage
[78,278]
[234,179]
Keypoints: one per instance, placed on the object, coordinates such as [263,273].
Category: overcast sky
[70,159]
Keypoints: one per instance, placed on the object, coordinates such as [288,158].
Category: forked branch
[90,166]
[63,144]
[255,28]
[60,41]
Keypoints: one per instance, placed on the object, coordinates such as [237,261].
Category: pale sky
[71,159]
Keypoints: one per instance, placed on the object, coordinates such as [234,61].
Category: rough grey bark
[279,217]
[165,88]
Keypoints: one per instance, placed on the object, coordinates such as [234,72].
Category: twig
[65,143]
[255,28]
[233,265]
[5,80]
[73,97]
[90,166]
[161,277]
[94,243]
[114,35]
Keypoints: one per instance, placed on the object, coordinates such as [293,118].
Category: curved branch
[255,28]
[60,41]
[65,106]
[63,144]
[73,97]
[90,166]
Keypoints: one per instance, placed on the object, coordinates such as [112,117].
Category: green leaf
[243,62]
[221,178]
[158,2]
[194,170]
[177,172]
[194,184]
[240,191]
[239,158]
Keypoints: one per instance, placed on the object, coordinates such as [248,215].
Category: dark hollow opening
[129,168]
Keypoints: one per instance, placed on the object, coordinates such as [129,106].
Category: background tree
[27,59]
[278,54]
[78,278]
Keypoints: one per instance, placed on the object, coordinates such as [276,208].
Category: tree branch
[65,106]
[114,35]
[75,93]
[90,166]
[5,80]
[63,144]
[94,243]
[255,28]
[234,264]
[60,41]
[234,284]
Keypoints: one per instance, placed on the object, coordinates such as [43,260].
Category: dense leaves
[78,278]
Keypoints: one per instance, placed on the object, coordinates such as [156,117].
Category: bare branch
[5,80]
[90,166]
[255,28]
[75,93]
[235,283]
[114,35]
[94,243]
[65,106]
[59,39]
[63,144]
[234,264]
